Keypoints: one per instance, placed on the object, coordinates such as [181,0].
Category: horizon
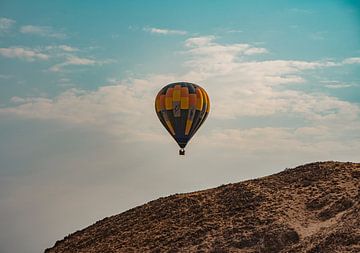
[78,82]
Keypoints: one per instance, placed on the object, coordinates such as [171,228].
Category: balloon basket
[182,151]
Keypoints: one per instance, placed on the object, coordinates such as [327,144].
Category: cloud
[18,100]
[352,60]
[239,87]
[123,109]
[209,58]
[78,61]
[23,53]
[44,31]
[316,141]
[64,48]
[74,60]
[6,24]
[252,140]
[67,48]
[154,30]
[255,50]
[243,89]
[336,84]
[199,41]
[62,52]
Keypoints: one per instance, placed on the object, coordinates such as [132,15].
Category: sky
[80,139]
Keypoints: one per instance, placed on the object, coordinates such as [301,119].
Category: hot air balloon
[182,108]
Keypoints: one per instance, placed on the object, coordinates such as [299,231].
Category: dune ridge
[311,208]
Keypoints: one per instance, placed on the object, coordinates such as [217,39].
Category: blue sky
[80,139]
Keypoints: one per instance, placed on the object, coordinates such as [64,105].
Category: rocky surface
[311,208]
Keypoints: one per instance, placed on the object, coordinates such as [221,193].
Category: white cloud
[252,140]
[6,24]
[23,53]
[64,53]
[314,141]
[114,108]
[199,41]
[64,48]
[79,61]
[154,30]
[353,60]
[74,60]
[44,31]
[238,88]
[336,84]
[254,50]
[17,100]
[209,58]
[112,80]
[67,48]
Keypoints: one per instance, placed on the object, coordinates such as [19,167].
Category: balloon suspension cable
[182,151]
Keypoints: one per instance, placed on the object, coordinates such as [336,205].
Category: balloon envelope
[182,108]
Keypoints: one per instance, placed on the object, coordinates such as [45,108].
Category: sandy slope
[311,208]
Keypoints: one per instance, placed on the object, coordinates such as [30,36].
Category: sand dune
[311,208]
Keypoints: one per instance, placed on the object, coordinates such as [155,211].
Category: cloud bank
[239,87]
